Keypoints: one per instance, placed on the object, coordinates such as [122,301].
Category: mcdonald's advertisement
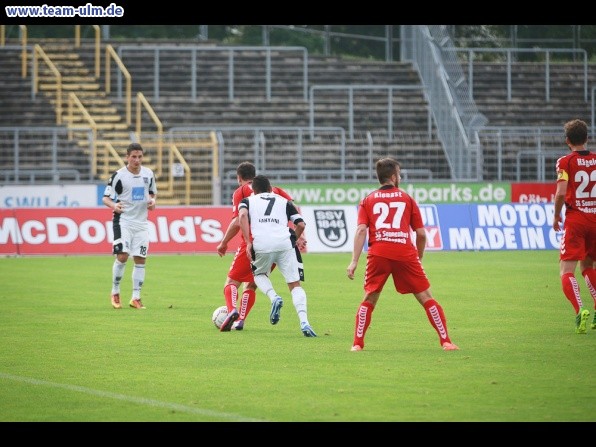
[329,228]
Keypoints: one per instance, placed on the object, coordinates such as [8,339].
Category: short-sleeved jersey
[578,168]
[390,215]
[269,214]
[132,190]
[246,190]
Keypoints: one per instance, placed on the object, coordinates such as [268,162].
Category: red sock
[231,296]
[363,317]
[246,302]
[589,275]
[436,316]
[571,290]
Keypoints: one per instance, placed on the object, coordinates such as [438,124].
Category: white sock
[138,277]
[299,300]
[117,273]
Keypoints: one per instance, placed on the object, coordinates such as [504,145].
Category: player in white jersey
[265,215]
[130,193]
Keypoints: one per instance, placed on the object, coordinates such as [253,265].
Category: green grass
[66,355]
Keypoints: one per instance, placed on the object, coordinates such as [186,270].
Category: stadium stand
[29,135]
[526,110]
[320,117]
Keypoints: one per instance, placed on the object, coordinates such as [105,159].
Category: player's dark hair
[261,184]
[576,131]
[386,168]
[133,147]
[246,170]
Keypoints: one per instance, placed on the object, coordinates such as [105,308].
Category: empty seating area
[29,136]
[526,110]
[538,96]
[18,106]
[380,105]
[318,117]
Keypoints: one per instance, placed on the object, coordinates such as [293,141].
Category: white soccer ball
[219,315]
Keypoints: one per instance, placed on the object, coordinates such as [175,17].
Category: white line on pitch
[136,400]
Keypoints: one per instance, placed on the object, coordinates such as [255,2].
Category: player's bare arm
[559,202]
[117,207]
[301,239]
[244,223]
[151,202]
[420,241]
[300,226]
[359,239]
[231,231]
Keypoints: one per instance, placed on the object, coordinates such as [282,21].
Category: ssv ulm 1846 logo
[331,227]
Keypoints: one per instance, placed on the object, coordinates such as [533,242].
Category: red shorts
[241,270]
[408,276]
[577,242]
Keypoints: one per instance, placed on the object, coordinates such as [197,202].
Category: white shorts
[286,262]
[135,242]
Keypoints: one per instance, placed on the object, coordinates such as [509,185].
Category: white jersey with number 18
[133,191]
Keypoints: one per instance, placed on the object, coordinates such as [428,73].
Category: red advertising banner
[40,231]
[533,192]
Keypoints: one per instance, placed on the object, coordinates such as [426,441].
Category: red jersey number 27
[383,210]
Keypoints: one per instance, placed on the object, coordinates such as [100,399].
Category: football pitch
[68,356]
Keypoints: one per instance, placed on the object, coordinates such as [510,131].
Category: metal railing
[350,89]
[109,156]
[37,176]
[294,154]
[472,53]
[143,104]
[96,45]
[40,55]
[518,153]
[77,111]
[194,62]
[192,162]
[592,108]
[35,153]
[111,54]
[423,49]
[525,154]
[329,37]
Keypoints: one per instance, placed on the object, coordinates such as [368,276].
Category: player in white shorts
[265,215]
[130,193]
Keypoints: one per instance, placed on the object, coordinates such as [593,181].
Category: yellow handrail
[23,29]
[38,52]
[142,101]
[109,151]
[97,45]
[72,102]
[215,170]
[111,53]
[215,179]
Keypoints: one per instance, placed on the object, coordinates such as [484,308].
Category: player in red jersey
[576,190]
[241,270]
[387,216]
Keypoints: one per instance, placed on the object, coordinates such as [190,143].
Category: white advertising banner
[48,196]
